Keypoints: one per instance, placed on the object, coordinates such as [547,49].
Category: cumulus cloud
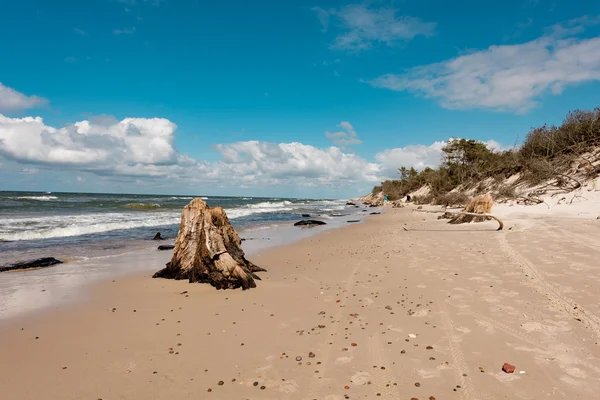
[363,26]
[104,145]
[418,156]
[293,162]
[11,100]
[144,147]
[344,138]
[143,150]
[506,78]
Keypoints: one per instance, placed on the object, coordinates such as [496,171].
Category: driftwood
[485,216]
[38,263]
[208,250]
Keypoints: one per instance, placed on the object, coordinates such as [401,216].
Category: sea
[74,226]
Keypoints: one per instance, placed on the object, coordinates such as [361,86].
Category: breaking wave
[142,206]
[40,198]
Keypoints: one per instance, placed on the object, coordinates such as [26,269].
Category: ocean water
[74,226]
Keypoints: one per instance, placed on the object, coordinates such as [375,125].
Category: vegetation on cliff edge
[547,154]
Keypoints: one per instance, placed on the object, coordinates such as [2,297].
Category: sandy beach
[402,306]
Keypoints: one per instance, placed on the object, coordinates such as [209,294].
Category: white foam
[29,228]
[270,204]
[40,198]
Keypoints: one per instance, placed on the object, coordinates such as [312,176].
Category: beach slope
[402,306]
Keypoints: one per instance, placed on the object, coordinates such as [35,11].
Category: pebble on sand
[508,368]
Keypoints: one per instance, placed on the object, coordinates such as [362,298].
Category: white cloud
[11,100]
[80,31]
[365,26]
[506,78]
[104,145]
[125,31]
[142,150]
[323,16]
[418,156]
[293,162]
[344,138]
[139,147]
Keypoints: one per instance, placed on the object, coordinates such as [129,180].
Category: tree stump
[478,205]
[208,250]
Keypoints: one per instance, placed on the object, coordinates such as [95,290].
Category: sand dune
[368,311]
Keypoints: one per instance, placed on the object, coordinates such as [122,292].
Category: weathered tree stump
[208,250]
[481,204]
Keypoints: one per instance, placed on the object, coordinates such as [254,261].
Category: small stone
[431,398]
[255,384]
[429,348]
[311,355]
[508,368]
[353,344]
[209,390]
[263,387]
[298,358]
[221,383]
[417,384]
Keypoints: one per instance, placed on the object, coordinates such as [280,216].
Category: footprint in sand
[420,313]
[283,386]
[504,377]
[367,301]
[489,328]
[429,373]
[360,378]
[343,360]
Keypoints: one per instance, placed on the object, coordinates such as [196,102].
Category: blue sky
[248,97]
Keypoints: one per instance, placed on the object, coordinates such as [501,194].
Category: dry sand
[388,313]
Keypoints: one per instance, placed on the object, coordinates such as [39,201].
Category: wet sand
[368,311]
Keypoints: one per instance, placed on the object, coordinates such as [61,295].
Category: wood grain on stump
[208,250]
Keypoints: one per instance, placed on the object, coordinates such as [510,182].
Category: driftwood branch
[481,215]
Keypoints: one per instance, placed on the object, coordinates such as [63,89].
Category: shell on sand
[481,204]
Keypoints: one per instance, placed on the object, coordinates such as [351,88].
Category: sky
[290,98]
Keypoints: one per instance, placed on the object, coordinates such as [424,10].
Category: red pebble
[337,301]
[508,368]
[346,387]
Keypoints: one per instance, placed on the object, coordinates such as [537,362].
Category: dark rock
[309,222]
[158,237]
[38,263]
[166,247]
[373,205]
[352,221]
[305,215]
[508,368]
[375,213]
[350,203]
[446,215]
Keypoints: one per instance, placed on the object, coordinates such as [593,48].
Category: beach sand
[402,306]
